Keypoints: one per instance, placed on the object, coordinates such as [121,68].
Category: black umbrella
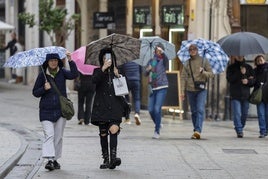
[244,43]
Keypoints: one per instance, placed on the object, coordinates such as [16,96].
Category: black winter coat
[261,72]
[234,76]
[106,107]
[49,105]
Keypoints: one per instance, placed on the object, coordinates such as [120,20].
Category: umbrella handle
[43,72]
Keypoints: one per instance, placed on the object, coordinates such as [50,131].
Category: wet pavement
[219,154]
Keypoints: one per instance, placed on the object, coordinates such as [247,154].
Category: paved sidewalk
[9,148]
[219,154]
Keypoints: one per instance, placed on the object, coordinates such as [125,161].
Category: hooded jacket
[107,107]
[49,105]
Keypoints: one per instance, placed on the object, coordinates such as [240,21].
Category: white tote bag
[120,86]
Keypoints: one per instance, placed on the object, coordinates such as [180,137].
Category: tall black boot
[114,160]
[113,150]
[105,152]
[105,156]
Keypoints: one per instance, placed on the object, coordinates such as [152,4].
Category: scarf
[154,62]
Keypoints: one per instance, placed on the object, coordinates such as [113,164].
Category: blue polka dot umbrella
[210,50]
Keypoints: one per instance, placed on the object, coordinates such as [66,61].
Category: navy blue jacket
[132,71]
[49,105]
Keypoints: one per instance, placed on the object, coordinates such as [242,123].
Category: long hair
[103,52]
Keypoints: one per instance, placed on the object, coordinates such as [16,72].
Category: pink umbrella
[78,56]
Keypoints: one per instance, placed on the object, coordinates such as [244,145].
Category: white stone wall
[199,23]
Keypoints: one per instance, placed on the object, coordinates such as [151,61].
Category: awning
[5,26]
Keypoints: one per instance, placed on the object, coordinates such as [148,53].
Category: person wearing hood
[158,85]
[108,108]
[49,106]
[240,76]
[261,75]
[196,69]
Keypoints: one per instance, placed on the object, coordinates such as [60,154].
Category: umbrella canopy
[148,45]
[33,57]
[78,56]
[125,48]
[244,43]
[5,26]
[212,51]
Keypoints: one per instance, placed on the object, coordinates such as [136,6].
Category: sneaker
[50,165]
[56,164]
[12,81]
[137,119]
[156,135]
[80,122]
[127,121]
[196,135]
[240,135]
[262,136]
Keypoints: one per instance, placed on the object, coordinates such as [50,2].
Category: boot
[114,160]
[105,156]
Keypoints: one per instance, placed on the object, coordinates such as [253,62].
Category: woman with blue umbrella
[194,76]
[50,114]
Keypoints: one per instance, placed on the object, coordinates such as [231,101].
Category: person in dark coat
[108,109]
[85,91]
[261,72]
[240,75]
[12,50]
[49,106]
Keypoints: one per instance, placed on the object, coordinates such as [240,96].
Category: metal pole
[212,80]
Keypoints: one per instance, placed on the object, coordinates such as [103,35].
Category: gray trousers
[52,144]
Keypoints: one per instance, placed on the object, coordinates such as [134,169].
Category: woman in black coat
[107,108]
[261,72]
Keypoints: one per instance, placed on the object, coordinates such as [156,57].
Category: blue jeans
[134,87]
[262,111]
[239,114]
[156,100]
[197,100]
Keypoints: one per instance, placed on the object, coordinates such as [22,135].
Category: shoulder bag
[256,96]
[199,85]
[67,108]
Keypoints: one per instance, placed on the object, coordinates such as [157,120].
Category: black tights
[104,131]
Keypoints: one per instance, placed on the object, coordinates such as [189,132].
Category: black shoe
[56,164]
[50,165]
[105,164]
[114,163]
[240,135]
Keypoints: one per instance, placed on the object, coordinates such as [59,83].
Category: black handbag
[199,85]
[126,106]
